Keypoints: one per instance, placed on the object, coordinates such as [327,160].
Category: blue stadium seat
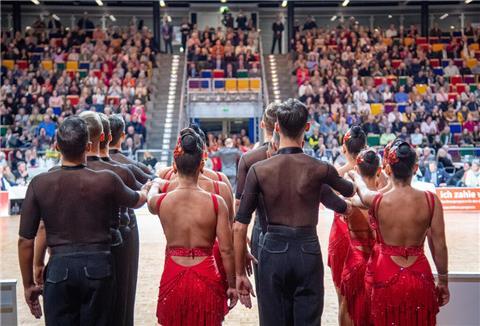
[401,107]
[205,85]
[206,74]
[219,84]
[438,71]
[455,128]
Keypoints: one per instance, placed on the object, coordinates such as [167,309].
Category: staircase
[163,110]
[278,71]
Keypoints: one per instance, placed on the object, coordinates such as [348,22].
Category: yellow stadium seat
[474,47]
[72,65]
[421,88]
[231,84]
[437,47]
[47,65]
[9,64]
[255,84]
[376,108]
[243,85]
[471,63]
[407,41]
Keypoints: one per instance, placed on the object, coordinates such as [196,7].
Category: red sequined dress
[401,295]
[338,245]
[191,295]
[353,276]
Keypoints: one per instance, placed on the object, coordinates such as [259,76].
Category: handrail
[266,100]
[182,114]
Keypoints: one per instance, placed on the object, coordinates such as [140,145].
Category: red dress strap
[165,187]
[159,201]
[219,176]
[215,203]
[431,204]
[169,174]
[216,187]
[373,215]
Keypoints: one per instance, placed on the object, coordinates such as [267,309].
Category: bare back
[404,217]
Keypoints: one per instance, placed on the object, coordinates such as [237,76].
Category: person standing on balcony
[167,34]
[277,29]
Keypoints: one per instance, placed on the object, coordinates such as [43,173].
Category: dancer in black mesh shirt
[292,185]
[77,206]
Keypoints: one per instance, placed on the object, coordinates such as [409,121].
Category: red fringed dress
[353,275]
[338,245]
[402,295]
[191,295]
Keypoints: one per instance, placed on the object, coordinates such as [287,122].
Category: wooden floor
[463,237]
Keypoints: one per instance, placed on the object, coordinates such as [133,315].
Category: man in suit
[435,175]
[218,63]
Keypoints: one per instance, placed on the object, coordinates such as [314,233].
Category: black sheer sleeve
[331,200]
[141,176]
[334,180]
[249,199]
[241,177]
[30,215]
[122,195]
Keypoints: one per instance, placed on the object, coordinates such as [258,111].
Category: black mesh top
[292,185]
[246,161]
[76,204]
[141,171]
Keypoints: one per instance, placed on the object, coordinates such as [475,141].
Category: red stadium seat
[218,73]
[74,99]
[434,63]
[456,80]
[378,81]
[421,40]
[22,64]
[97,73]
[115,99]
[458,62]
[396,63]
[391,79]
[452,96]
[461,88]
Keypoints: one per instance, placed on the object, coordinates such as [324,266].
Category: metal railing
[182,116]
[266,100]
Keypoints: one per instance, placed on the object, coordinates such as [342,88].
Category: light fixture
[284,3]
[390,16]
[444,16]
[112,18]
[223,1]
[36,2]
[334,18]
[99,2]
[452,27]
[468,1]
[345,3]
[55,17]
[162,3]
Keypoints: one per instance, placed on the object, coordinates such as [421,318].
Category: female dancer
[403,288]
[191,289]
[353,142]
[355,307]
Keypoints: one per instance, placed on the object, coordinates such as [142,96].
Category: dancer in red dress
[403,287]
[362,240]
[353,143]
[191,288]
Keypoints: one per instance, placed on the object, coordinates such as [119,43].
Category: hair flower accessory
[178,148]
[347,137]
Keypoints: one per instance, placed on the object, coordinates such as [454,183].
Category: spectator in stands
[277,30]
[229,156]
[5,183]
[241,21]
[185,29]
[167,34]
[48,125]
[149,160]
[471,178]
[21,174]
[371,126]
[451,69]
[387,136]
[434,174]
[314,140]
[192,70]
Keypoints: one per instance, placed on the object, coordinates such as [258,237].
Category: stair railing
[182,116]
[266,100]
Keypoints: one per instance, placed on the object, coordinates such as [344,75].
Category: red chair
[452,97]
[434,63]
[458,62]
[97,73]
[425,47]
[396,63]
[378,81]
[421,40]
[74,99]
[115,99]
[477,55]
[454,80]
[22,64]
[391,79]
[218,73]
[461,88]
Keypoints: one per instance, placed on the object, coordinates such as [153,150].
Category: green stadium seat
[373,140]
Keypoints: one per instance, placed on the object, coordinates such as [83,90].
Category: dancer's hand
[31,297]
[232,295]
[443,293]
[244,288]
[146,187]
[249,261]
[38,274]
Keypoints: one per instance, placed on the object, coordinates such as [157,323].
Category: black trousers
[278,41]
[132,245]
[254,248]
[78,286]
[290,277]
[168,45]
[121,271]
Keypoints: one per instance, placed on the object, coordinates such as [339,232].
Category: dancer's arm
[224,236]
[332,201]
[334,180]
[365,194]
[438,248]
[227,196]
[40,249]
[153,195]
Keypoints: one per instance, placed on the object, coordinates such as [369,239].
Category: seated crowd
[223,52]
[426,91]
[49,74]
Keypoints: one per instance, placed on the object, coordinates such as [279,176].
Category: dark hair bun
[356,132]
[190,141]
[199,131]
[405,151]
[370,157]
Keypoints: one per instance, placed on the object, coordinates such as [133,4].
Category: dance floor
[463,237]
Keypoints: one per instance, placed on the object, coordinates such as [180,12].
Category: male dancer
[77,205]
[246,161]
[292,185]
